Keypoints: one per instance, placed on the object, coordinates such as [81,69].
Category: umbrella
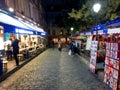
[80,37]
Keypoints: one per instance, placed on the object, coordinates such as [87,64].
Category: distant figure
[70,50]
[59,45]
[15,46]
[75,49]
[53,44]
[70,45]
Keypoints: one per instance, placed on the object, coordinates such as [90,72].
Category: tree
[85,16]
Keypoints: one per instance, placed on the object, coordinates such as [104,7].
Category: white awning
[115,30]
[4,18]
[32,26]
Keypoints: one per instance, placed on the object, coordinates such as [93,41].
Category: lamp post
[96,9]
[71,28]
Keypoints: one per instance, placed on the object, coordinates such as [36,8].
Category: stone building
[28,10]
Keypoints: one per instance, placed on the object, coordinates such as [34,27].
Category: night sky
[57,9]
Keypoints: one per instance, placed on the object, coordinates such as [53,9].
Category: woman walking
[59,45]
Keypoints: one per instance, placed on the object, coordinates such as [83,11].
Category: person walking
[70,50]
[75,49]
[53,44]
[15,46]
[59,45]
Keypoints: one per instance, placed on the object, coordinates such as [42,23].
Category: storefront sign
[81,33]
[100,32]
[43,33]
[88,33]
[22,31]
[94,32]
[115,30]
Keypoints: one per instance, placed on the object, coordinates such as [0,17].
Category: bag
[70,52]
[59,46]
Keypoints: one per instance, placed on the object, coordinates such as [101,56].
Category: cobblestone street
[54,70]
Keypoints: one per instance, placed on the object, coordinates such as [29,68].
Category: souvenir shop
[107,50]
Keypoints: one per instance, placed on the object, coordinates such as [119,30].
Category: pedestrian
[15,46]
[75,49]
[8,49]
[53,44]
[59,45]
[70,47]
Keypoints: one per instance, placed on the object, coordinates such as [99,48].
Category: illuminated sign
[43,33]
[22,31]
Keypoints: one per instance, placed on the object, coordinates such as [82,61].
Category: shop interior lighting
[23,16]
[1,31]
[11,9]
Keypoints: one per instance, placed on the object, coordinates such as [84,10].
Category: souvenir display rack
[112,65]
[93,54]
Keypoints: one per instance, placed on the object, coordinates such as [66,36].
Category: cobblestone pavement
[53,70]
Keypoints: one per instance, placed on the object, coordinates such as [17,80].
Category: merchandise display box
[112,65]
[93,59]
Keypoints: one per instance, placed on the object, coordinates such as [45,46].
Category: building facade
[28,10]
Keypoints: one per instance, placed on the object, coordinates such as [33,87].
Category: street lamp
[96,8]
[71,28]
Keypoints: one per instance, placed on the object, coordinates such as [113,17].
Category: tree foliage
[85,16]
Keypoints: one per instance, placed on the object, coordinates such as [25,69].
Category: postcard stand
[112,65]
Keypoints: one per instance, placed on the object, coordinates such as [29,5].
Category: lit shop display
[93,59]
[1,38]
[112,65]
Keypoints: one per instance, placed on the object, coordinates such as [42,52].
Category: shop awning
[114,30]
[32,26]
[4,18]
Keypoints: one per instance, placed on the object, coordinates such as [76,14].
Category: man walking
[15,46]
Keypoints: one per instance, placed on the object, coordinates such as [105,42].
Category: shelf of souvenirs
[111,81]
[111,66]
[115,46]
[113,54]
[112,75]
